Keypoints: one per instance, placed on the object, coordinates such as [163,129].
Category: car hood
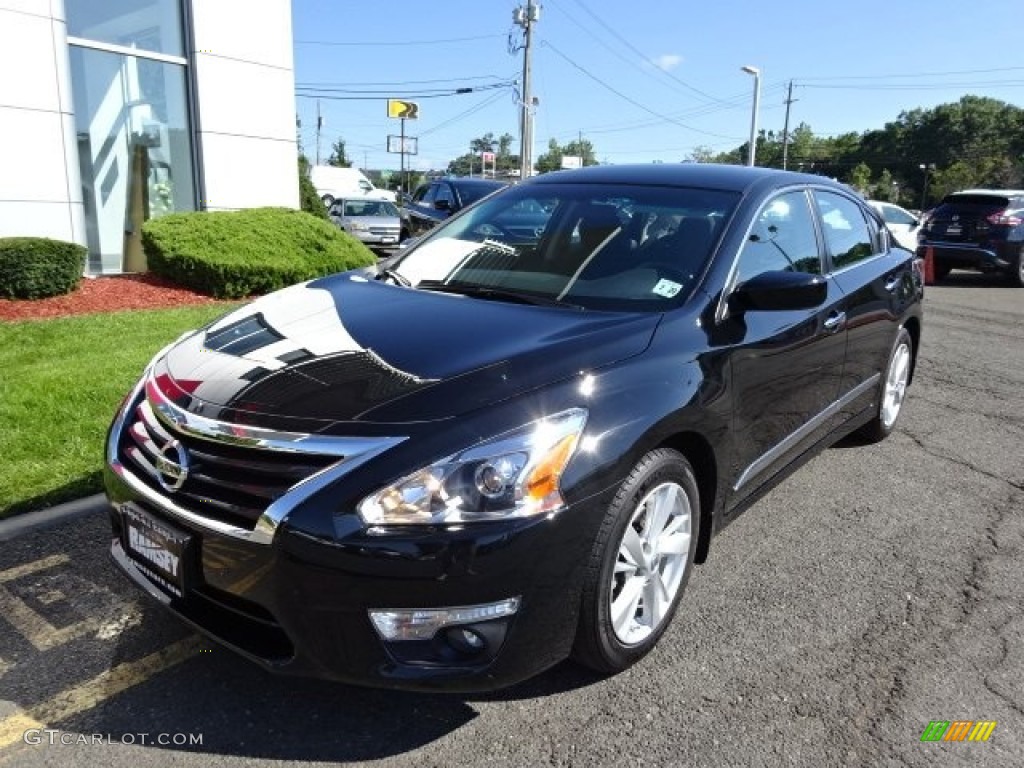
[349,349]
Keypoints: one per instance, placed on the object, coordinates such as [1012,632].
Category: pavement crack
[961,462]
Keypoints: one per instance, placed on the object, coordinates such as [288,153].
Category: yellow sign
[404,109]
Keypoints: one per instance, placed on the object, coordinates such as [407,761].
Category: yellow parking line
[87,695]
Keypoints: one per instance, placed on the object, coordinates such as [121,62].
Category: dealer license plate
[158,550]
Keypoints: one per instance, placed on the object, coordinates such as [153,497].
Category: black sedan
[435,201]
[510,444]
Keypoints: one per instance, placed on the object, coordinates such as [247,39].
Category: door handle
[835,322]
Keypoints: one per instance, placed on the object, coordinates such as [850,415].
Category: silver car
[375,222]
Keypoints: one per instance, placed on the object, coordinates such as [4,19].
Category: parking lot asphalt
[876,590]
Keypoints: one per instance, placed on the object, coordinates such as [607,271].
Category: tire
[624,613]
[328,200]
[892,389]
[1016,275]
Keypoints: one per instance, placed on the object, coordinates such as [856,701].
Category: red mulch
[109,293]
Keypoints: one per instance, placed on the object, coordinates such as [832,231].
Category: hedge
[309,198]
[37,267]
[232,254]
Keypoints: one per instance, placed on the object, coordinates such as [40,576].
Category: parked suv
[981,229]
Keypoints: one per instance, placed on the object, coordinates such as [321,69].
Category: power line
[632,101]
[332,83]
[379,95]
[641,54]
[378,44]
[422,93]
[914,74]
[916,86]
[472,110]
[647,72]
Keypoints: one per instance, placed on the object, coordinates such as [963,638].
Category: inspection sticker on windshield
[666,288]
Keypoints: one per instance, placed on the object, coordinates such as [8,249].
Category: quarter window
[782,239]
[847,235]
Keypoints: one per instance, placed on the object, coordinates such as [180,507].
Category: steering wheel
[489,230]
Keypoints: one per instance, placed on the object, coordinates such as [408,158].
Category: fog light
[424,623]
[465,639]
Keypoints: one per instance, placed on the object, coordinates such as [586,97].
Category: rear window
[984,201]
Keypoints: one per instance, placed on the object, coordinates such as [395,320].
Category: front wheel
[640,563]
[893,389]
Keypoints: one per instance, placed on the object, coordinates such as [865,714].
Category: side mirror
[780,290]
[915,224]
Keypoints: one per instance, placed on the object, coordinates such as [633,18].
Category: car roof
[999,192]
[707,175]
[467,181]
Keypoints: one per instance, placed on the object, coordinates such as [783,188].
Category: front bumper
[300,605]
[376,240]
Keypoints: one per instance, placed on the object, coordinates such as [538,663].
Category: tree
[552,159]
[860,178]
[483,144]
[338,157]
[309,198]
[700,154]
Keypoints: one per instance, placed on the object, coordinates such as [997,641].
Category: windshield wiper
[396,277]
[496,294]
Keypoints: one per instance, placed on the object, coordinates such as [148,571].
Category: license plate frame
[162,552]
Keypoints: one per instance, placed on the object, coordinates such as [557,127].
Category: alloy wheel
[896,385]
[651,563]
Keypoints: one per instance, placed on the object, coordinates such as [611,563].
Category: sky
[642,80]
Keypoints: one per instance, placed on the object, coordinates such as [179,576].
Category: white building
[115,111]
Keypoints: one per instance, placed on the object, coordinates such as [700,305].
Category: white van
[334,183]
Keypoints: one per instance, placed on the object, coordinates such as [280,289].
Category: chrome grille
[229,483]
[384,231]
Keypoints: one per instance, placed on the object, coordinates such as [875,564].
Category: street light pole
[753,113]
[927,168]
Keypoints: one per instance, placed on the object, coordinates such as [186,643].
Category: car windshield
[370,208]
[470,193]
[616,247]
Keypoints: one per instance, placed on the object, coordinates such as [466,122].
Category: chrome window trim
[773,453]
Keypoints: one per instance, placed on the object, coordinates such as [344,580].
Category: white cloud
[667,61]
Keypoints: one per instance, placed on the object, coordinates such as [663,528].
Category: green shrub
[309,198]
[231,254]
[37,267]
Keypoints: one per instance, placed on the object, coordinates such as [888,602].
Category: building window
[150,25]
[128,80]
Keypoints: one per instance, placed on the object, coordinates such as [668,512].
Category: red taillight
[1002,219]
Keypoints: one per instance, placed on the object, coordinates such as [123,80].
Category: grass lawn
[60,382]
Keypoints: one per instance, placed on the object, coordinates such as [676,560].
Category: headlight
[516,474]
[358,226]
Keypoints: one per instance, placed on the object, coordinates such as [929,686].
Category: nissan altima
[513,442]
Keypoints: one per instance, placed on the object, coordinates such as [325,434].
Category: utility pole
[785,130]
[319,125]
[526,18]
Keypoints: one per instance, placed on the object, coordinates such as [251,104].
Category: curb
[51,516]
